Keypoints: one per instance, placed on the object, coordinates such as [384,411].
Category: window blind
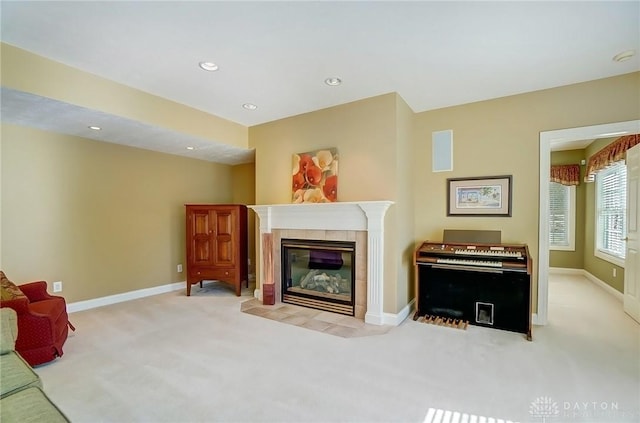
[558,214]
[612,204]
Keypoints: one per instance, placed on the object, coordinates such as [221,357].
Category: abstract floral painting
[315,176]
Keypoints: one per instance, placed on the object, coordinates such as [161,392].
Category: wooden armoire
[217,244]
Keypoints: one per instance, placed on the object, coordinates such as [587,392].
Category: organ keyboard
[491,252]
[460,262]
[485,284]
[477,256]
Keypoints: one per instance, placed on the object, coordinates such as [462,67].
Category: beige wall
[572,259]
[405,205]
[501,137]
[1,179]
[365,133]
[243,186]
[103,218]
[598,267]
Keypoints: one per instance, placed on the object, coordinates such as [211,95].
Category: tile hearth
[321,321]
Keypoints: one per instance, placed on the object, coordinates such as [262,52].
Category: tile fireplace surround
[362,222]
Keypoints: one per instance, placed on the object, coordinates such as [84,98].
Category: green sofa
[21,396]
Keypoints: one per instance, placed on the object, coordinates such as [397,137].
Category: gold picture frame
[479,196]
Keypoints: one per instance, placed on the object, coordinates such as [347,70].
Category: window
[562,212]
[611,203]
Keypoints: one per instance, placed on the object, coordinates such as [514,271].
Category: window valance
[566,174]
[610,154]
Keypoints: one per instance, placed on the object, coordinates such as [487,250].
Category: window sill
[562,248]
[608,257]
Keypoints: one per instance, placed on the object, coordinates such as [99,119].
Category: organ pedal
[449,322]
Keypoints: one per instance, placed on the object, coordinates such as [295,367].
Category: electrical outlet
[249,261]
[179,268]
[57,286]
[614,272]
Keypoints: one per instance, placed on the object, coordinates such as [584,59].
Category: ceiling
[277,56]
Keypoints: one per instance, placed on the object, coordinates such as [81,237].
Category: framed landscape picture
[479,196]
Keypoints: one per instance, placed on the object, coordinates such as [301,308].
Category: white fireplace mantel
[346,216]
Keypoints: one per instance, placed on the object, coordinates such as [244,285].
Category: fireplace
[362,222]
[319,274]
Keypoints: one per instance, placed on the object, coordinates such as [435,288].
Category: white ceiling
[277,54]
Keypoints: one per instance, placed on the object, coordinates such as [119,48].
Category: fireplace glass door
[319,274]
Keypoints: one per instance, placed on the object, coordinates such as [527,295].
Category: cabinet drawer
[214,274]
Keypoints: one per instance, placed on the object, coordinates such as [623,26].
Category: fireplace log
[322,278]
[309,277]
[321,282]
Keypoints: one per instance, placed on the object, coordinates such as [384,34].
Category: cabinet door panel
[225,240]
[201,251]
[201,238]
[201,223]
[224,222]
[224,252]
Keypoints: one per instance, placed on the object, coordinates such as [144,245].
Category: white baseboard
[608,288]
[566,271]
[125,296]
[396,319]
[611,290]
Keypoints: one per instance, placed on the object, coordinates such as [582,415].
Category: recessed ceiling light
[95,128]
[333,81]
[625,55]
[249,106]
[208,66]
[191,148]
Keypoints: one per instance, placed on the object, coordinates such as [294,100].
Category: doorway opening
[549,140]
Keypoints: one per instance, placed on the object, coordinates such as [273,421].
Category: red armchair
[43,323]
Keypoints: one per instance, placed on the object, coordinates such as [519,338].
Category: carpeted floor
[172,358]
